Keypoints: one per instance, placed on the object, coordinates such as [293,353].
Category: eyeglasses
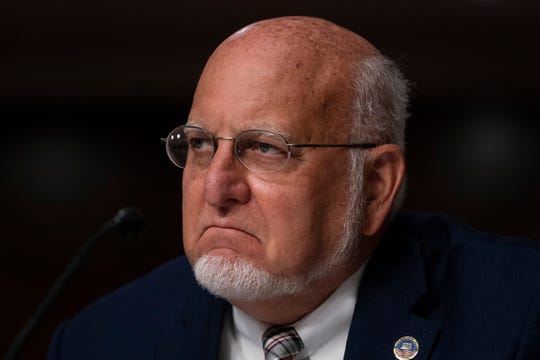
[261,151]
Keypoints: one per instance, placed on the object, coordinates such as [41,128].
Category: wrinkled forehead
[298,75]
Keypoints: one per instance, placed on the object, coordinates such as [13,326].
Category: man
[293,161]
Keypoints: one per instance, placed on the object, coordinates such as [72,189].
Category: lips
[227,232]
[229,237]
[227,228]
[226,224]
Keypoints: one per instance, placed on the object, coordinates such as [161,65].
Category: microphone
[129,221]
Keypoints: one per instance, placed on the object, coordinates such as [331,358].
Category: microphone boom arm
[127,220]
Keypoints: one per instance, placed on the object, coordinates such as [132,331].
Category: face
[285,225]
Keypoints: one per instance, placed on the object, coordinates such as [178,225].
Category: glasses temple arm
[363,146]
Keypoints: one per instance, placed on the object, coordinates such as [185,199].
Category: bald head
[333,75]
[302,36]
[305,62]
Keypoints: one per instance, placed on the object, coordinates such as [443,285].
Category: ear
[384,173]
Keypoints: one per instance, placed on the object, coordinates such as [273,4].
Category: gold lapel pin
[406,348]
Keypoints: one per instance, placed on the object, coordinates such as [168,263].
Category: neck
[289,309]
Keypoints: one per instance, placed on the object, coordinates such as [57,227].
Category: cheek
[304,223]
[192,203]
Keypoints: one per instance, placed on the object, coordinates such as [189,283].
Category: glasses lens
[262,151]
[188,145]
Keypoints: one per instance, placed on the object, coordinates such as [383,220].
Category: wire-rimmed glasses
[261,151]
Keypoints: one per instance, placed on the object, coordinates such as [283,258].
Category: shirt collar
[325,327]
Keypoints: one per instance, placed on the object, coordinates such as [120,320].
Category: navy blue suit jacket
[462,294]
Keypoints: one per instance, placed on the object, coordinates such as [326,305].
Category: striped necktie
[281,343]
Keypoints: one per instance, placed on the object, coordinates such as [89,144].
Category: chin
[235,278]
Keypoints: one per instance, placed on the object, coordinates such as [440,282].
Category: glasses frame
[215,143]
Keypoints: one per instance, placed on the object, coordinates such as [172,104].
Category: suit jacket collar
[389,299]
[389,306]
[197,330]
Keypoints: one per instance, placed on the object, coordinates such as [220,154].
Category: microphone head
[129,221]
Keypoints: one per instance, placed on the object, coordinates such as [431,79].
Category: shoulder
[480,288]
[169,285]
[487,272]
[458,249]
[450,234]
[130,320]
[464,266]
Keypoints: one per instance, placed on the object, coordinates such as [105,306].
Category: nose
[225,182]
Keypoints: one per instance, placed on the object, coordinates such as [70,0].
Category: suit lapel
[197,331]
[390,291]
[389,307]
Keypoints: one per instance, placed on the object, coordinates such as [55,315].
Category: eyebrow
[190,123]
[285,135]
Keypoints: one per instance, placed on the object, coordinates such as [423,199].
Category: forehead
[275,87]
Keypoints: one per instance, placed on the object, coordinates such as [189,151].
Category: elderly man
[293,163]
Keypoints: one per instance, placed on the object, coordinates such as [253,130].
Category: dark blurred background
[87,88]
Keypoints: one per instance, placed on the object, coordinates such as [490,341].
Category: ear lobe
[385,170]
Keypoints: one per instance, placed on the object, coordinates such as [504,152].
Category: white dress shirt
[324,331]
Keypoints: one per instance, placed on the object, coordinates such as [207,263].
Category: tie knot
[281,343]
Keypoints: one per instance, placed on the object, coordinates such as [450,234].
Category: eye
[262,146]
[265,148]
[261,150]
[199,143]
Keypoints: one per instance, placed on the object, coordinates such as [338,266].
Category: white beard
[238,279]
